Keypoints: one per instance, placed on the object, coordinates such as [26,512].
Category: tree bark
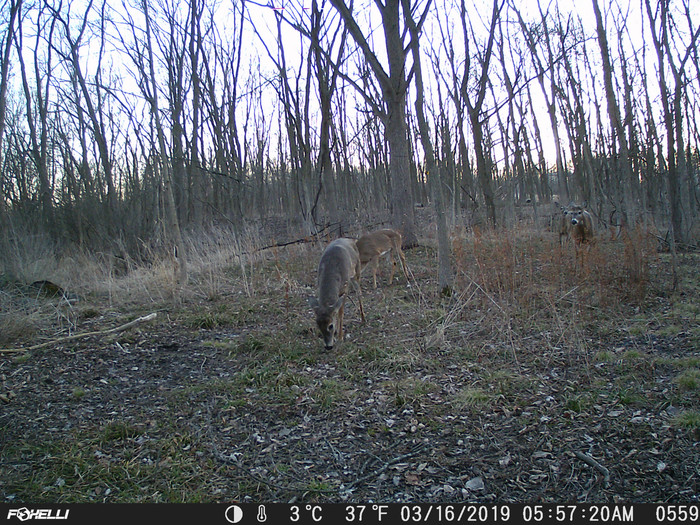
[475,109]
[15,7]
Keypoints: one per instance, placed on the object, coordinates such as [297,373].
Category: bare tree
[221,81]
[445,276]
[141,52]
[451,80]
[672,106]
[327,81]
[394,86]
[6,42]
[543,69]
[623,161]
[37,106]
[475,107]
[93,108]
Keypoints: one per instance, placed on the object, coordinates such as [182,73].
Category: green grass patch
[78,393]
[576,403]
[629,397]
[22,358]
[670,330]
[209,321]
[330,393]
[604,356]
[472,398]
[87,469]
[509,383]
[119,430]
[689,379]
[638,329]
[689,419]
[251,345]
[410,390]
[631,355]
[681,363]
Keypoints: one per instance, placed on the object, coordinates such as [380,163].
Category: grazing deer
[581,229]
[373,246]
[339,264]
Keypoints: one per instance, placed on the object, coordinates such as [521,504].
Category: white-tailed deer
[581,230]
[373,246]
[564,226]
[339,264]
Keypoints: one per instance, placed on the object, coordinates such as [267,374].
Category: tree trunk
[4,71]
[444,266]
[394,87]
[172,224]
[615,119]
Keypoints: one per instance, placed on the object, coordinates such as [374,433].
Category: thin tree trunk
[445,276]
[172,224]
[15,7]
[615,118]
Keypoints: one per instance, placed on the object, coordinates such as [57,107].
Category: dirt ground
[529,393]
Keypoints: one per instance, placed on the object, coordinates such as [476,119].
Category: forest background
[125,125]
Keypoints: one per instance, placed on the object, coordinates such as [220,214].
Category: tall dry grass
[519,280]
[527,285]
[220,262]
[512,265]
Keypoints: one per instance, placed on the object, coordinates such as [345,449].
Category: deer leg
[393,266]
[374,272]
[340,321]
[362,311]
[356,284]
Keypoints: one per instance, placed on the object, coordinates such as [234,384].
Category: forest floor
[539,380]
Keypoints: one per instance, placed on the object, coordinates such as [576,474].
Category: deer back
[338,264]
[377,243]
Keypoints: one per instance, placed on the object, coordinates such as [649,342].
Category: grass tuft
[689,379]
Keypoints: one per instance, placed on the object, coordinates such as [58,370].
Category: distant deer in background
[581,229]
[575,223]
[564,226]
[339,264]
[372,246]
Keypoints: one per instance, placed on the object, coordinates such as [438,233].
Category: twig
[593,463]
[121,328]
[567,293]
[416,450]
[307,239]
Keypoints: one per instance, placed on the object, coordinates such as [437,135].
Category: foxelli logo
[25,514]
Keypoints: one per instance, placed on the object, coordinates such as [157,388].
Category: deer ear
[313,303]
[339,303]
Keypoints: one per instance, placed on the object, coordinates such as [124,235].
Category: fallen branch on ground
[593,463]
[121,328]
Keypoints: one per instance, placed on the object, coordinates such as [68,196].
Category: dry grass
[517,279]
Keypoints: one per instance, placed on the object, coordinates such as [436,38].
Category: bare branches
[309,111]
[121,328]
